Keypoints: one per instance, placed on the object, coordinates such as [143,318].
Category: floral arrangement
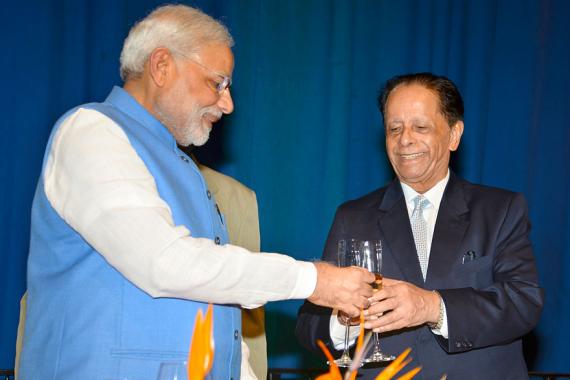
[201,354]
[362,348]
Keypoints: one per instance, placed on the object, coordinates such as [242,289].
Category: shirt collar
[433,195]
[127,104]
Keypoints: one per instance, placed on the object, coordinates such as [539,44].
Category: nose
[225,102]
[406,137]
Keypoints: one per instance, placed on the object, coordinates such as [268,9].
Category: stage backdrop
[306,133]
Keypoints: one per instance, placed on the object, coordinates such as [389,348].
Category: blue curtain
[306,134]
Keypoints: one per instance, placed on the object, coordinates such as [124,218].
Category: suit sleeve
[508,308]
[312,320]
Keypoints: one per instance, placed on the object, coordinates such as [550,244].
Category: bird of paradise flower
[201,353]
[362,348]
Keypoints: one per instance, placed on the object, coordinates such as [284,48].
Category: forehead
[218,57]
[412,98]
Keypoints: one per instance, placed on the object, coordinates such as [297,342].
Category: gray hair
[179,28]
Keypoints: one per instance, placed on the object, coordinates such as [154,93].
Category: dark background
[306,134]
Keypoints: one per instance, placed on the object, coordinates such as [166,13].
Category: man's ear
[456,133]
[160,65]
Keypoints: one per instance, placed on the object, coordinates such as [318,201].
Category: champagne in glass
[377,284]
[371,256]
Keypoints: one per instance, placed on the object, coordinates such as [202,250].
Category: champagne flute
[348,255]
[371,259]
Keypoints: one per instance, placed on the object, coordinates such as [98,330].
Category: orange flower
[409,375]
[201,353]
[396,366]
[388,373]
[359,347]
[334,372]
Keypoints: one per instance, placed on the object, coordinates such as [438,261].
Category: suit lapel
[450,227]
[395,227]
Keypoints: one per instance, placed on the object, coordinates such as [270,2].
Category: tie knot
[420,203]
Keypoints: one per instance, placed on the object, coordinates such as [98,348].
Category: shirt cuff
[337,331]
[443,331]
[306,281]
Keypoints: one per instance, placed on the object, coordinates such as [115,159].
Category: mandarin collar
[126,103]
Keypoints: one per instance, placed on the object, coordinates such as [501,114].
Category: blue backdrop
[306,133]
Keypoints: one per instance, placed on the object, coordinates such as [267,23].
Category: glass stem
[376,343]
[346,335]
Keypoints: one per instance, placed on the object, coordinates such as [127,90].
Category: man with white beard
[127,242]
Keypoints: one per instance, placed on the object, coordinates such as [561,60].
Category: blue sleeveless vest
[84,319]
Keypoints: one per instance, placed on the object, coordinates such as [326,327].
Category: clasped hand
[398,305]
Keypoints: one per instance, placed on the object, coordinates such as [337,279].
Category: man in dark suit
[460,284]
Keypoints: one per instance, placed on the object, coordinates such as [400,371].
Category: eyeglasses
[220,86]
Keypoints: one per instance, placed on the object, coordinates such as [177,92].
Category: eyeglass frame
[226,82]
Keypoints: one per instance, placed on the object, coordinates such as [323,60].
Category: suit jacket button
[236,334]
[217,240]
[209,194]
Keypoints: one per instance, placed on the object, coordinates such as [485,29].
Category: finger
[390,281]
[379,295]
[398,325]
[363,303]
[382,296]
[349,309]
[372,324]
[373,312]
[371,317]
[386,322]
[381,308]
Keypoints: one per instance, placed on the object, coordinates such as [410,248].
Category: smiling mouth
[412,156]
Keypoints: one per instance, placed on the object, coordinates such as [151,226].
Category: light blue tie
[420,231]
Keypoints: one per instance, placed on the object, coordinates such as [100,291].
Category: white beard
[195,132]
[189,128]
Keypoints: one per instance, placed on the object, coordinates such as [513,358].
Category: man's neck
[142,94]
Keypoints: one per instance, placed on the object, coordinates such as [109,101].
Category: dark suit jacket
[481,262]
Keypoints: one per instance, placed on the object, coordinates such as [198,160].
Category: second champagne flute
[371,256]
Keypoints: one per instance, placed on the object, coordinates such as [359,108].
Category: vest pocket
[149,354]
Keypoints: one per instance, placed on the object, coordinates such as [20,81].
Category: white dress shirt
[97,183]
[434,195]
